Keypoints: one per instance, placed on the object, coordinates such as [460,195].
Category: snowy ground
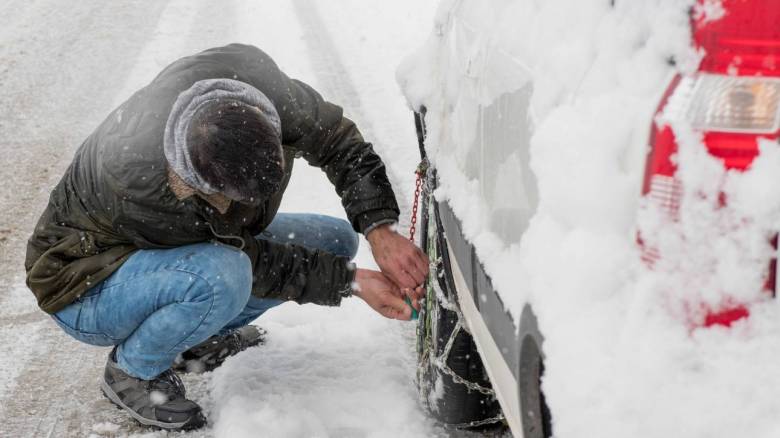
[63,66]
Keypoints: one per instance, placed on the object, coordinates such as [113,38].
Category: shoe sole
[192,423]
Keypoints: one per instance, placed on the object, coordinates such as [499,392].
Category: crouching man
[163,239]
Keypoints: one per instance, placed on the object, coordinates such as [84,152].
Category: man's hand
[397,257]
[383,296]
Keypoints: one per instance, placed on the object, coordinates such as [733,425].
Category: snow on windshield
[580,81]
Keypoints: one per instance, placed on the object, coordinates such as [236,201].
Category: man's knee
[352,241]
[348,240]
[227,277]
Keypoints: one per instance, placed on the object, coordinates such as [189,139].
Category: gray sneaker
[212,352]
[159,402]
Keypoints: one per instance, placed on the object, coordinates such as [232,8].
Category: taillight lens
[732,101]
[734,104]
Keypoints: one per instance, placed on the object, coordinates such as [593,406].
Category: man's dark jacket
[114,198]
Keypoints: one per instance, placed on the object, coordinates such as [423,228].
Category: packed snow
[622,359]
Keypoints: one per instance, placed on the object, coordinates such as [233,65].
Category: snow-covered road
[63,66]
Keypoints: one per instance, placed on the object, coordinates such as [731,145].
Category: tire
[451,402]
[535,415]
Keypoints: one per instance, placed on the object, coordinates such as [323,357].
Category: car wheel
[535,414]
[452,380]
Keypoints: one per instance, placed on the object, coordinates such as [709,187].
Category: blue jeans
[162,302]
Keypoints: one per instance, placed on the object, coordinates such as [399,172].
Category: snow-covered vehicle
[481,353]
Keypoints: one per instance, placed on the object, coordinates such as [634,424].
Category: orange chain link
[420,172]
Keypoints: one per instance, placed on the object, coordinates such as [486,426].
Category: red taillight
[744,40]
[733,101]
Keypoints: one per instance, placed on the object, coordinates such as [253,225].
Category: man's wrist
[368,220]
[381,231]
[385,224]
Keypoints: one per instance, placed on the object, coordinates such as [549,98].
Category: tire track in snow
[336,82]
[61,65]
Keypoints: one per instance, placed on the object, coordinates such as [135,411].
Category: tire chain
[471,424]
[440,362]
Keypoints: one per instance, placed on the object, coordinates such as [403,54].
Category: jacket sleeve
[296,273]
[356,171]
[317,130]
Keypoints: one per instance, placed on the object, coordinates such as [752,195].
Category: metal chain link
[441,362]
[422,169]
[492,420]
[413,226]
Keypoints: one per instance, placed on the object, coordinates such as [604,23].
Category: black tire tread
[457,404]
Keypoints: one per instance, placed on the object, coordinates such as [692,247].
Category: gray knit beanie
[200,95]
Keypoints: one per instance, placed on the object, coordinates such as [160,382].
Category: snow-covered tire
[452,384]
[449,401]
[535,414]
